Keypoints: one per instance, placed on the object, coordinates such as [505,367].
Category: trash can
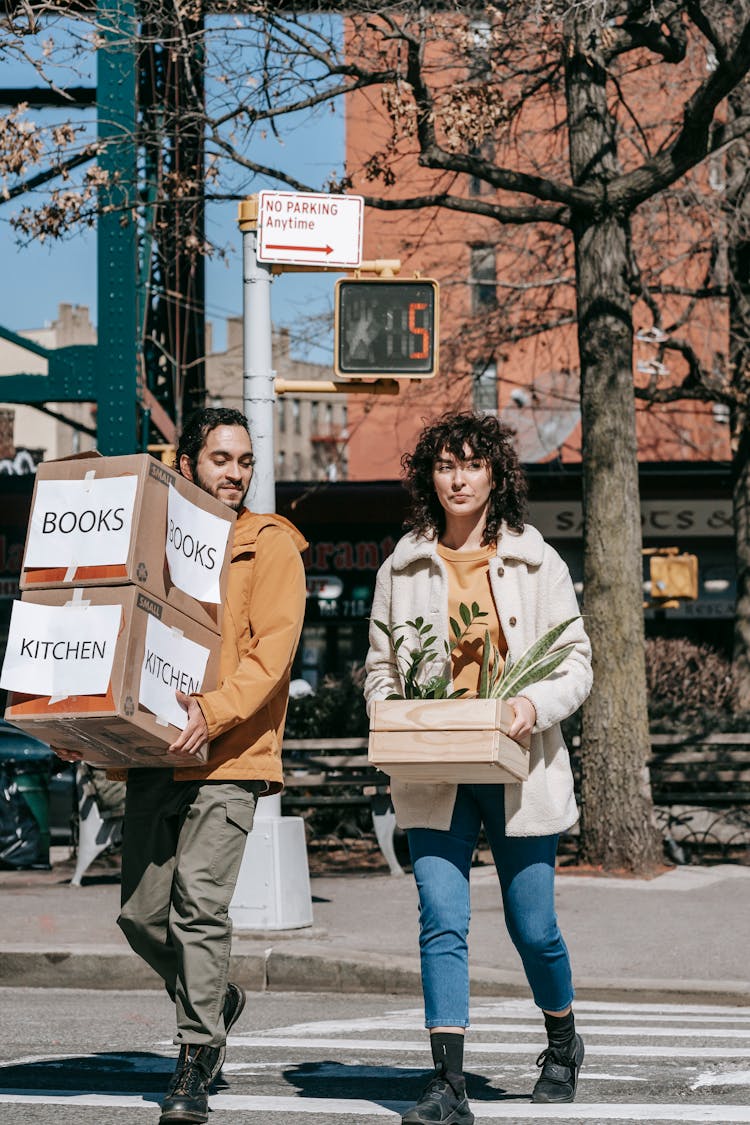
[25,768]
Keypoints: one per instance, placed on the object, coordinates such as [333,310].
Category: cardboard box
[446,740]
[108,661]
[102,521]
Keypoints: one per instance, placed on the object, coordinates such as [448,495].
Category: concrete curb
[310,968]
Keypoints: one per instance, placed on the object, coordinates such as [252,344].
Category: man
[185,829]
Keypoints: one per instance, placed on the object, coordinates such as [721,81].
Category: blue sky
[37,277]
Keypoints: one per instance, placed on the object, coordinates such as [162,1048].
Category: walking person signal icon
[386,327]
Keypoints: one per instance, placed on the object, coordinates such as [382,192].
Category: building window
[314,412]
[281,464]
[296,466]
[297,415]
[481,33]
[281,413]
[483,279]
[484,388]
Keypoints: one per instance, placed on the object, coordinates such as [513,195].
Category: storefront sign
[660,519]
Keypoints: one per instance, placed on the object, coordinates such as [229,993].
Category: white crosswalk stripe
[644,1063]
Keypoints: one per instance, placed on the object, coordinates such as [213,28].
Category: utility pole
[273,887]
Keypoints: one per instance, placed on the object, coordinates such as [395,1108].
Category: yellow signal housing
[674,576]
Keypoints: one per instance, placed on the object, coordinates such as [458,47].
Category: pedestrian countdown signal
[386,327]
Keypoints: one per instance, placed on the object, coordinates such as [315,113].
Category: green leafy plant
[498,678]
[414,662]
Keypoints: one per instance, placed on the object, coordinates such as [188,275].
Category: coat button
[501,570]
[512,621]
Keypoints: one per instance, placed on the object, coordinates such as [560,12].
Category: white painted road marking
[327,1051]
[402,1046]
[332,1107]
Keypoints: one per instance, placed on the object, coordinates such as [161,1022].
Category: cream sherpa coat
[533,591]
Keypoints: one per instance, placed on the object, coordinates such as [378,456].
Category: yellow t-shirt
[468,582]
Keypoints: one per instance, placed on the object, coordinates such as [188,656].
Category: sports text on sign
[310,229]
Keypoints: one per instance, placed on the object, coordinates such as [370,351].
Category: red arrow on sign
[309,249]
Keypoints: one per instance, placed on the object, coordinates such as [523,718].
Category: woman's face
[463,484]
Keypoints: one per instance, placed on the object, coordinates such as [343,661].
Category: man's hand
[195,734]
[68,755]
[525,716]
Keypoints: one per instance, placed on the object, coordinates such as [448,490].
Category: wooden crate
[448,740]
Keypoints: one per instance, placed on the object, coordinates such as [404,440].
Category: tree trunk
[738,263]
[617,829]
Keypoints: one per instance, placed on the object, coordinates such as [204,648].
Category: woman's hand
[525,716]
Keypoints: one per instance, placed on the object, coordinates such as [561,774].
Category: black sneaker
[559,1077]
[440,1104]
[234,1002]
[187,1095]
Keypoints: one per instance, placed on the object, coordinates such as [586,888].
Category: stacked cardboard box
[124,579]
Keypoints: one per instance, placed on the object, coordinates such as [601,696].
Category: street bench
[335,773]
[701,790]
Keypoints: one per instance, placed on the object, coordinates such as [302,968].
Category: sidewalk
[683,935]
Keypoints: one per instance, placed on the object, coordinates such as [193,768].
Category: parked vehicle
[37,799]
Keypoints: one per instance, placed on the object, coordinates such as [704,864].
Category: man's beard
[235,505]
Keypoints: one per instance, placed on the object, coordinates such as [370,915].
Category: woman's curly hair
[487,439]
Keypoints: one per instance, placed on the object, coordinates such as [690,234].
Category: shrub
[689,685]
[335,710]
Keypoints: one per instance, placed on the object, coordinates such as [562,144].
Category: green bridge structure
[146,371]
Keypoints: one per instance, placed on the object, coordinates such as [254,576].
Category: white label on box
[171,662]
[60,650]
[196,544]
[81,522]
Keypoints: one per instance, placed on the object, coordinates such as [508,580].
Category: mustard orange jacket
[263,616]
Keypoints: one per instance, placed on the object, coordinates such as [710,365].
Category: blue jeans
[526,869]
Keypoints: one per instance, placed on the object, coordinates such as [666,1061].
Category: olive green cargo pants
[183,843]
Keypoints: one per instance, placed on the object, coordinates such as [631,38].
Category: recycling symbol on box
[141,572]
[129,706]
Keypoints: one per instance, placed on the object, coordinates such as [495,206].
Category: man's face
[225,465]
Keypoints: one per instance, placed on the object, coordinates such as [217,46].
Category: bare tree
[625,99]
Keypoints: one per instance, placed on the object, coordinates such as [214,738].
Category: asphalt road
[77,1057]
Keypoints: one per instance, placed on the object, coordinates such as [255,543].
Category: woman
[468,543]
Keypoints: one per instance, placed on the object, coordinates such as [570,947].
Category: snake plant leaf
[543,644]
[531,673]
[484,671]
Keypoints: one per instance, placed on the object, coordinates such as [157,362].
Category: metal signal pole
[273,887]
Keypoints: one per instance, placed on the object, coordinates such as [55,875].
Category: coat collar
[526,547]
[250,524]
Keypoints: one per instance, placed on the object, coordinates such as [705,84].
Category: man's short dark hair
[199,425]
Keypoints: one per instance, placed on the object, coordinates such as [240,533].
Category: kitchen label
[171,663]
[60,650]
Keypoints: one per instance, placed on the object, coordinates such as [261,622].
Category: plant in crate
[430,733]
[498,678]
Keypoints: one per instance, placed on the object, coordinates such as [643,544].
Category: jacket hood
[250,524]
[527,547]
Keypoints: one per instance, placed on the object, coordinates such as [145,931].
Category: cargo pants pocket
[231,837]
